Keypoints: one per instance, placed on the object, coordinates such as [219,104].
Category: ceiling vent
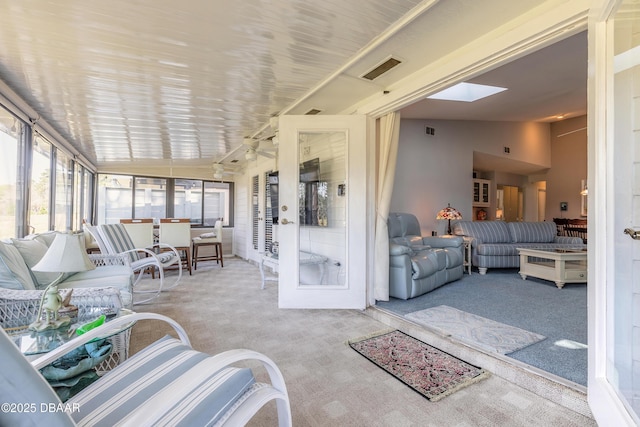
[312,112]
[381,69]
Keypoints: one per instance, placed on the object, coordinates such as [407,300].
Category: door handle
[635,235]
[285,221]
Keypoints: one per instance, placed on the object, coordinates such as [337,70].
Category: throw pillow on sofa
[32,252]
[14,273]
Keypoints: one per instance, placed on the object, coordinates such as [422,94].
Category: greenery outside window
[64,192]
[9,147]
[40,185]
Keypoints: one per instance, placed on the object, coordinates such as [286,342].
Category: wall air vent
[312,112]
[381,69]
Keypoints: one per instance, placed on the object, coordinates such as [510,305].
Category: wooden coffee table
[557,265]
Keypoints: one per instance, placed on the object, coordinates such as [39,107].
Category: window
[217,196]
[188,200]
[87,195]
[40,185]
[39,189]
[114,198]
[150,198]
[64,192]
[9,146]
[203,202]
[82,191]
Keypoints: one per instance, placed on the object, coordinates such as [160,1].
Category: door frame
[508,44]
[604,402]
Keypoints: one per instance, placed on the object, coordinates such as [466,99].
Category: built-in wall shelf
[481,192]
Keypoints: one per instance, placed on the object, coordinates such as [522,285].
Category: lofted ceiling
[130,82]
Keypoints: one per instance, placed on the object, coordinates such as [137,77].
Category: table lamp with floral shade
[449,213]
[66,254]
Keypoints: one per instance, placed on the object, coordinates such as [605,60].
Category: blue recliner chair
[417,264]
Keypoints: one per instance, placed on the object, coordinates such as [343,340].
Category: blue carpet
[534,305]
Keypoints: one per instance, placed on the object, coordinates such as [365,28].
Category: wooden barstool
[208,239]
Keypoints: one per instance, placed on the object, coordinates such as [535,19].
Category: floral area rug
[429,371]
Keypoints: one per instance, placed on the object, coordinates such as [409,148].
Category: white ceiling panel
[167,82]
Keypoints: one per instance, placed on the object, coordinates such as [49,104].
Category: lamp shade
[449,213]
[65,255]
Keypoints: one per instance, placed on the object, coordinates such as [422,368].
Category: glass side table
[74,371]
[32,343]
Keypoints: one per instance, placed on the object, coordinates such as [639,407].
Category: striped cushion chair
[113,239]
[167,383]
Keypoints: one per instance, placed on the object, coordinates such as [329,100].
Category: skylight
[467,92]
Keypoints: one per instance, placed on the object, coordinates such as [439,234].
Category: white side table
[306,258]
[270,261]
[466,265]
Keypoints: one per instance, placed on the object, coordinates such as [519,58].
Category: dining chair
[176,232]
[140,230]
[114,239]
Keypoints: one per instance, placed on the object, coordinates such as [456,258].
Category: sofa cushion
[32,252]
[498,249]
[14,273]
[117,276]
[486,231]
[428,262]
[532,232]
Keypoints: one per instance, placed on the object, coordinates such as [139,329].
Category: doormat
[427,370]
[474,330]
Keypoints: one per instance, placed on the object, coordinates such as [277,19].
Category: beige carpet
[329,384]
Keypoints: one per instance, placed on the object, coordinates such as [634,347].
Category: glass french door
[614,202]
[322,213]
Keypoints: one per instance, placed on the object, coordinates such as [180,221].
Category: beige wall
[568,167]
[435,170]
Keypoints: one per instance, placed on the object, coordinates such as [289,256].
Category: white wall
[434,170]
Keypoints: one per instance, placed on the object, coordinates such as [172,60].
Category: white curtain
[389,132]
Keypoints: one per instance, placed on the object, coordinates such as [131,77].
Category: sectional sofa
[494,244]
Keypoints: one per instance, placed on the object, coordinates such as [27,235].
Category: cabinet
[481,193]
